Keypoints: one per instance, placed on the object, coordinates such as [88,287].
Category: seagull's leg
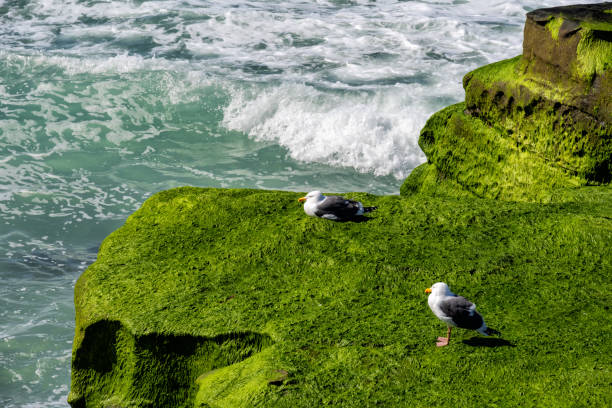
[443,341]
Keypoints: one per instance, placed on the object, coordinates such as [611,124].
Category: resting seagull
[332,207]
[455,311]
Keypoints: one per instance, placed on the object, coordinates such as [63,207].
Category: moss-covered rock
[428,179]
[484,161]
[235,298]
[548,111]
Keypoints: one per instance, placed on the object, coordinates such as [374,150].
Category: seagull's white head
[313,196]
[439,289]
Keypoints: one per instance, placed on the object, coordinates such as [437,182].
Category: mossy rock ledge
[532,124]
[235,298]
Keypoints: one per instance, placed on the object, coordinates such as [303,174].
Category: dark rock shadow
[158,369]
[487,342]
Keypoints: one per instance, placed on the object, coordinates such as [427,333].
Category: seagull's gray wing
[338,206]
[462,311]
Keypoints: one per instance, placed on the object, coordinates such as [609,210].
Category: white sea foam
[370,132]
[410,56]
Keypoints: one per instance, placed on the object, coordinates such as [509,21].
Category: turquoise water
[103,103]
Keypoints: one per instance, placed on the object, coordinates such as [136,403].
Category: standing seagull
[332,207]
[455,311]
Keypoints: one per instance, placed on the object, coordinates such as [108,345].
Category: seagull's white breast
[310,206]
[434,302]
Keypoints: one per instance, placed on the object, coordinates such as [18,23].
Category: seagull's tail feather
[369,209]
[489,331]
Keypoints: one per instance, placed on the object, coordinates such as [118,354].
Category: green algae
[514,74]
[238,385]
[207,294]
[553,27]
[597,25]
[487,161]
[544,117]
[427,179]
[594,54]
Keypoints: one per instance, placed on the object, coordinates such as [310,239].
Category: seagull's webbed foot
[442,341]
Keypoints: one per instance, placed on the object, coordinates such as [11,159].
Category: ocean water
[103,103]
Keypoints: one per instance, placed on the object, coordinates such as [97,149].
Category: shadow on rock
[359,218]
[487,342]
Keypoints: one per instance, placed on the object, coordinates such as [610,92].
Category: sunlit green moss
[428,179]
[540,115]
[514,74]
[594,55]
[229,298]
[239,385]
[487,161]
[553,27]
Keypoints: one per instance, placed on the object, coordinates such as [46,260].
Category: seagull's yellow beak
[428,290]
[302,199]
